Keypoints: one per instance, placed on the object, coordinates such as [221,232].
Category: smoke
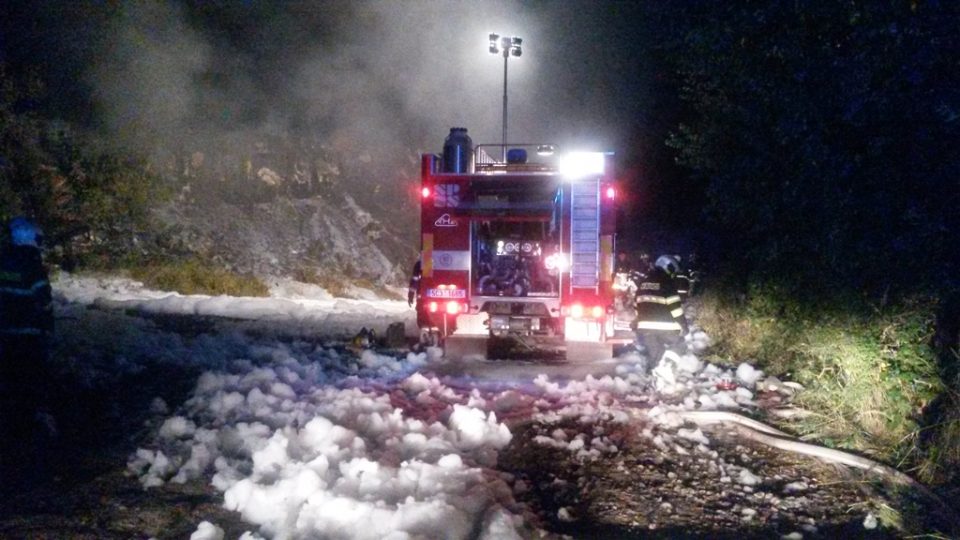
[144,82]
[371,76]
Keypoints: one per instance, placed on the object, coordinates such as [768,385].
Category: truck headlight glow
[581,164]
[556,261]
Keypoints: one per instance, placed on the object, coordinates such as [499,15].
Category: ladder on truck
[585,235]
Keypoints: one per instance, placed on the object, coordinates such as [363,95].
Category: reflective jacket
[25,299]
[682,279]
[658,303]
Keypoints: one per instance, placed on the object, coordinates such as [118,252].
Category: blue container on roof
[516,156]
[458,152]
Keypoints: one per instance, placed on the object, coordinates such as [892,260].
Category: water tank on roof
[458,152]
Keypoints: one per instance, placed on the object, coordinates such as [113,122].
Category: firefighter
[622,287]
[687,277]
[413,299]
[622,265]
[682,278]
[621,272]
[413,291]
[26,324]
[659,324]
[643,266]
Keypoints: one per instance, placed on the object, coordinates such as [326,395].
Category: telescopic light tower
[508,46]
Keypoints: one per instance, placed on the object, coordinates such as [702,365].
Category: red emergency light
[611,192]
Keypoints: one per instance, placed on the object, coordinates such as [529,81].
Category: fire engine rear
[516,241]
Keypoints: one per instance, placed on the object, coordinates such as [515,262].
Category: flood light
[508,46]
[581,164]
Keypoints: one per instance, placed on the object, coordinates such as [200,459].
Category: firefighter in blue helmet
[26,324]
[659,324]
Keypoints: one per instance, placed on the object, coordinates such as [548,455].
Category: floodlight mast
[507,46]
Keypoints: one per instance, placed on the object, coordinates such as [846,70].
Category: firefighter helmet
[668,263]
[24,232]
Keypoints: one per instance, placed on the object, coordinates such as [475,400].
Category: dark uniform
[684,283]
[413,291]
[26,323]
[413,297]
[623,283]
[659,323]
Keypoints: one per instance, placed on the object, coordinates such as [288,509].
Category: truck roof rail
[527,158]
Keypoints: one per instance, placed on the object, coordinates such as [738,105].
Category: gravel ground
[642,491]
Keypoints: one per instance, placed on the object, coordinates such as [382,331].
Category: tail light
[454,307]
[578,311]
[432,307]
[425,192]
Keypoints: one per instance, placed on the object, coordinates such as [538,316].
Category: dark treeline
[85,192]
[820,136]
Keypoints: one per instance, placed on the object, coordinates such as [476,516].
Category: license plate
[447,293]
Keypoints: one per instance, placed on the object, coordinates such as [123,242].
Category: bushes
[869,372]
[74,183]
[193,276]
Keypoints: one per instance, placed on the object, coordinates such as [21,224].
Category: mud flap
[588,351]
[460,347]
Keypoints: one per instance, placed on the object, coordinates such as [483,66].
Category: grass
[193,276]
[869,373]
[334,285]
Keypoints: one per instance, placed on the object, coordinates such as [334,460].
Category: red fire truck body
[511,247]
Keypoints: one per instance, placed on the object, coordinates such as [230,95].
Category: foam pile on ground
[300,459]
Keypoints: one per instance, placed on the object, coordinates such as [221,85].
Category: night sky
[375,72]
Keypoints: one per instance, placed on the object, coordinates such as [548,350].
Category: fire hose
[769,436]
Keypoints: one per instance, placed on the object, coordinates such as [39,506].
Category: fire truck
[517,241]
